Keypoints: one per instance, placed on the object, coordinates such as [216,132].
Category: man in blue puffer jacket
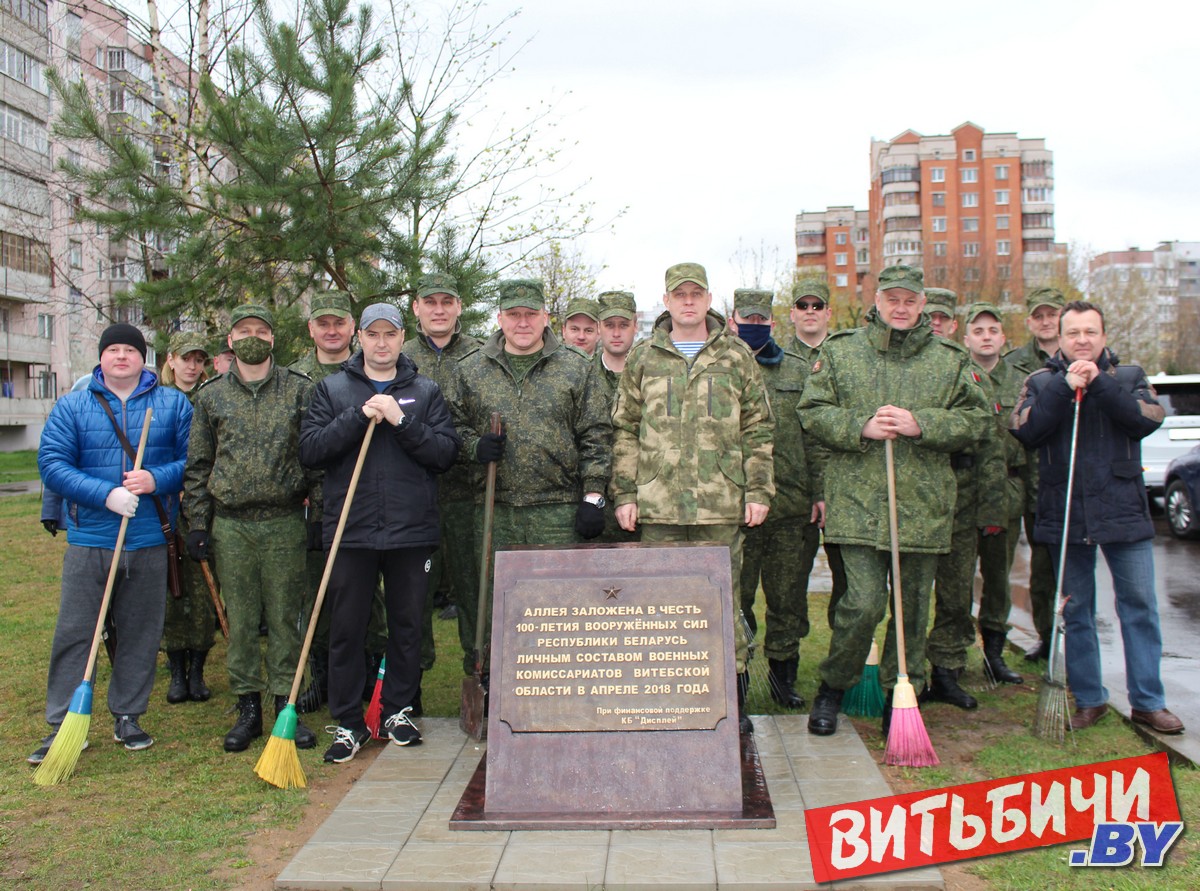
[81,458]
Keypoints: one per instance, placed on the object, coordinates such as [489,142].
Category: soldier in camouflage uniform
[811,314]
[1044,306]
[980,514]
[245,488]
[555,453]
[439,344]
[188,630]
[618,331]
[692,447]
[774,552]
[891,379]
[331,326]
[984,338]
[581,325]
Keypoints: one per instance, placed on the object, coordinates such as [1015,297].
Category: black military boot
[782,677]
[317,694]
[305,738]
[178,690]
[823,719]
[943,687]
[198,690]
[993,658]
[745,725]
[249,723]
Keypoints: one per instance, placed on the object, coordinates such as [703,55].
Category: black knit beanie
[126,334]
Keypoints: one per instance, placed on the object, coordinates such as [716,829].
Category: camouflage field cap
[810,287]
[582,306]
[910,278]
[752,302]
[1045,297]
[523,292]
[686,272]
[975,310]
[252,311]
[333,302]
[437,283]
[184,342]
[220,345]
[617,303]
[941,300]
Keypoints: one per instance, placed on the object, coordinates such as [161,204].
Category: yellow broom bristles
[279,764]
[64,752]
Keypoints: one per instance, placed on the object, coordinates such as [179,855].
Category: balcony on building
[810,242]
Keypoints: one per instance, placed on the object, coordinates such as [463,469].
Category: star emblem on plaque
[611,591]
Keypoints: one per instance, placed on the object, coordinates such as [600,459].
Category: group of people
[710,429]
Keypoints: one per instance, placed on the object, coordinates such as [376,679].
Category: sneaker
[346,743]
[39,754]
[127,731]
[401,729]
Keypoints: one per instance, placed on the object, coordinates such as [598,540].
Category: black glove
[50,526]
[589,520]
[490,447]
[314,537]
[197,545]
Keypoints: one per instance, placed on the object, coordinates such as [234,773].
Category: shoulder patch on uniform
[298,373]
[844,332]
[816,366]
[975,376]
[208,380]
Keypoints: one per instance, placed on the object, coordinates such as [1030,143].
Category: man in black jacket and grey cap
[392,527]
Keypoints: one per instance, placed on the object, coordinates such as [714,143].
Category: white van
[1179,395]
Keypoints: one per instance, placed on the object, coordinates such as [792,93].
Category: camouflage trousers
[457,561]
[1041,579]
[995,563]
[730,535]
[190,619]
[862,608]
[781,554]
[837,572]
[953,631]
[261,569]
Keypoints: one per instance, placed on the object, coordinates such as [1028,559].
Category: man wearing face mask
[774,552]
[244,488]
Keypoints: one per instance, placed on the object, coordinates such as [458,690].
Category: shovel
[473,707]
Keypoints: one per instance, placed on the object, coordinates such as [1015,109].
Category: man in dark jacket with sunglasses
[392,525]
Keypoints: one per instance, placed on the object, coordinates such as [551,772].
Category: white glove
[121,502]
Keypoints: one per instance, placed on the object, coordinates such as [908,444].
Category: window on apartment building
[101,270]
[1035,169]
[939,274]
[1037,221]
[75,254]
[1002,221]
[937,224]
[939,199]
[937,174]
[24,254]
[839,238]
[1003,248]
[31,12]
[74,298]
[1004,272]
[968,155]
[862,256]
[970,224]
[116,97]
[970,199]
[971,274]
[839,259]
[939,248]
[860,235]
[45,326]
[116,59]
[971,249]
[842,280]
[1002,196]
[1038,245]
[1001,171]
[24,130]
[1037,195]
[970,174]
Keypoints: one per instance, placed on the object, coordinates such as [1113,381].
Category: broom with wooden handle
[279,763]
[68,743]
[908,743]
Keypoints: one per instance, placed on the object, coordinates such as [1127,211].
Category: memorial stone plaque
[612,691]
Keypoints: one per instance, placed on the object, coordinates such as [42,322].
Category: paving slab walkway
[391,831]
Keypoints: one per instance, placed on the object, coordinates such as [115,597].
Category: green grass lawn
[181,814]
[16,467]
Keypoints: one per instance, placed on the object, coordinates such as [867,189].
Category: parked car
[1179,395]
[1183,495]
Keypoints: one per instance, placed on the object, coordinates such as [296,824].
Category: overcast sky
[715,121]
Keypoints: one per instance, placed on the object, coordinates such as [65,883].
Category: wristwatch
[597,500]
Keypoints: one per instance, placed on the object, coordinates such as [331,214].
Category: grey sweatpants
[138,604]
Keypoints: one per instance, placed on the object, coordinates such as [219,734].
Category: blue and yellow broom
[69,741]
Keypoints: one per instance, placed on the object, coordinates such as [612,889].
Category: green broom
[71,737]
[865,699]
[279,763]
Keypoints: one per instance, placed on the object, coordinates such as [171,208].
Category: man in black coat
[1109,508]
[392,527]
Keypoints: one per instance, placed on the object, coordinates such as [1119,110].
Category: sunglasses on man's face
[804,305]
